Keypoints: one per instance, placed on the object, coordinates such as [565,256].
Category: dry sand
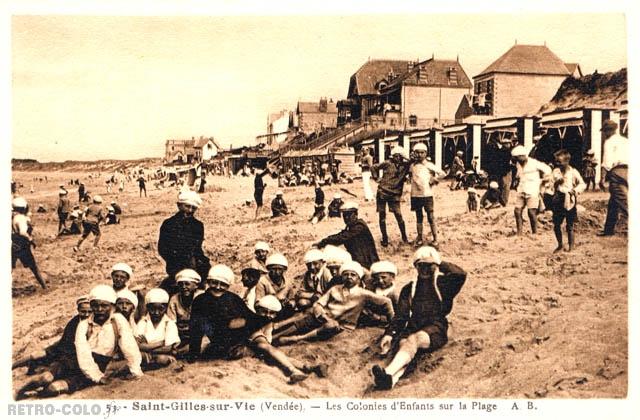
[527,323]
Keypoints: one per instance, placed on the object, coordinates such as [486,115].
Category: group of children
[121,331]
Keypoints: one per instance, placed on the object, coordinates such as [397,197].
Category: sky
[116,87]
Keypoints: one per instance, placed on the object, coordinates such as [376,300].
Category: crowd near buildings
[421,120]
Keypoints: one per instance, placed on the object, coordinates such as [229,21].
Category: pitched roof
[528,59]
[437,75]
[200,143]
[572,67]
[314,107]
[363,81]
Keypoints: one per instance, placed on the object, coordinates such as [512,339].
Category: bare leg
[517,212]
[533,220]
[388,377]
[295,318]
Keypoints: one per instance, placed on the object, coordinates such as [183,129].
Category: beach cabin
[576,130]
[464,137]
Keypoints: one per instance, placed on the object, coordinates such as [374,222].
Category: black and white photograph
[288,206]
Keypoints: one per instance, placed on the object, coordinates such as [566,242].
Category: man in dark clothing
[222,316]
[142,185]
[81,192]
[318,210]
[258,187]
[501,168]
[180,241]
[420,322]
[390,188]
[356,237]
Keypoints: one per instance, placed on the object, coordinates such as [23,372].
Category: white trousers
[366,183]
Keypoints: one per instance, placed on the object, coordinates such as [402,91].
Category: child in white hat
[337,310]
[156,333]
[180,304]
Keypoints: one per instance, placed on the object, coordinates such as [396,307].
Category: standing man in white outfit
[366,163]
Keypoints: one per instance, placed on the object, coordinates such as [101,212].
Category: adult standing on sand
[531,175]
[81,192]
[615,163]
[259,186]
[180,241]
[366,163]
[394,174]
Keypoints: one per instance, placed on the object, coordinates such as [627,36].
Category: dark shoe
[321,370]
[384,243]
[382,379]
[434,244]
[297,377]
[558,249]
[605,234]
[418,243]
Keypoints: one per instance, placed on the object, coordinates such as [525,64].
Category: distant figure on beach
[81,192]
[366,163]
[22,239]
[64,207]
[589,165]
[278,206]
[142,186]
[258,190]
[93,217]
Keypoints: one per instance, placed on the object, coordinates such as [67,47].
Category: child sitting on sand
[48,364]
[179,308]
[157,334]
[336,310]
[38,358]
[126,305]
[335,204]
[383,275]
[316,279]
[250,278]
[260,342]
[278,206]
[492,197]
